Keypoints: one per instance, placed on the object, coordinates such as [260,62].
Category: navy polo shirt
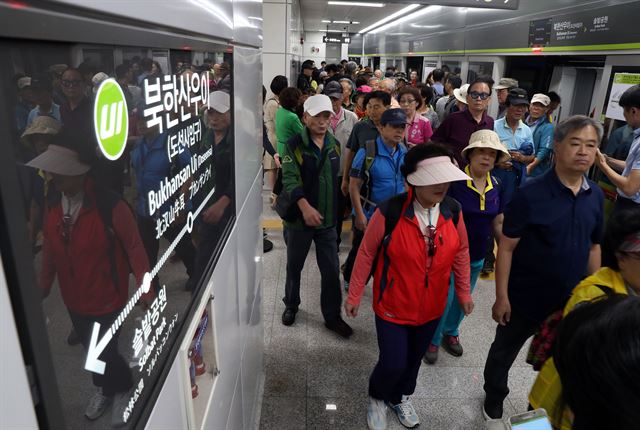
[362,131]
[479,210]
[556,230]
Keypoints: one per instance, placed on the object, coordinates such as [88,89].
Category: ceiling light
[389,18]
[332,31]
[355,3]
[255,17]
[409,17]
[341,22]
[327,21]
[425,26]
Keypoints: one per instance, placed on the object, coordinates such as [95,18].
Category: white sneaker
[97,405]
[406,413]
[377,414]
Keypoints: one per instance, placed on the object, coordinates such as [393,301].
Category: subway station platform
[314,379]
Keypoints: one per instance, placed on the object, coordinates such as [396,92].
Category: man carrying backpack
[310,165]
[375,177]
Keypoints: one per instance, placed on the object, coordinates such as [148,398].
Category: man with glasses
[380,171]
[457,127]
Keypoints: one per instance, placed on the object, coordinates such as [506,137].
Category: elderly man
[310,163]
[502,90]
[542,129]
[388,85]
[555,218]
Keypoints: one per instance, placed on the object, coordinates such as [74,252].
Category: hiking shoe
[73,338]
[339,326]
[451,344]
[120,403]
[289,316]
[376,414]
[406,413]
[345,284]
[487,268]
[431,356]
[97,405]
[491,410]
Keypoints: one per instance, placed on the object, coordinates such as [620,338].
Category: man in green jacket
[310,165]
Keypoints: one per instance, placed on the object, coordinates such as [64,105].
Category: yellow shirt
[547,389]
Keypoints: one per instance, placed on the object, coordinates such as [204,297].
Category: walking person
[310,164]
[412,244]
[482,205]
[555,218]
[418,127]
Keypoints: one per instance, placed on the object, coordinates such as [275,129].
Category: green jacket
[302,176]
[287,125]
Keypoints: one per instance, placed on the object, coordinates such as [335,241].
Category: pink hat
[436,170]
[364,89]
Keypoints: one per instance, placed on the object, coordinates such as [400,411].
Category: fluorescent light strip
[407,18]
[355,3]
[389,18]
[327,21]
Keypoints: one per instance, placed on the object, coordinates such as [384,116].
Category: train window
[451,66]
[124,159]
[479,68]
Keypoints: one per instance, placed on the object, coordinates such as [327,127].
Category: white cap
[541,98]
[98,78]
[436,170]
[461,93]
[219,101]
[318,104]
[59,160]
[24,81]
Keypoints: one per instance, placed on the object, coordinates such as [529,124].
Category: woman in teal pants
[481,201]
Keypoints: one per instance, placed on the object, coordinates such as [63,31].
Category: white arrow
[93,363]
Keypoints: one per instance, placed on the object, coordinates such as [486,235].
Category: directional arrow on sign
[93,363]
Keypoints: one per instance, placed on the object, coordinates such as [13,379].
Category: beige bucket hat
[61,161]
[487,139]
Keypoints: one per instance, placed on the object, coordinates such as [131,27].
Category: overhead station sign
[336,39]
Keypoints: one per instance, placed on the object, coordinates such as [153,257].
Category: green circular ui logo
[111,120]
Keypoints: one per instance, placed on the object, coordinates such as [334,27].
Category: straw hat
[487,139]
[61,161]
[436,170]
[461,93]
[42,125]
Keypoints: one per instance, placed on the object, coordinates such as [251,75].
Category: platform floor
[316,380]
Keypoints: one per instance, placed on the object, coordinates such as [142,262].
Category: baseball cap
[219,101]
[487,139]
[461,93]
[517,96]
[436,170]
[23,82]
[333,89]
[541,98]
[318,104]
[506,83]
[59,160]
[393,117]
[98,78]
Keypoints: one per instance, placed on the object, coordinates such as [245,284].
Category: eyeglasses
[71,83]
[407,101]
[431,240]
[476,95]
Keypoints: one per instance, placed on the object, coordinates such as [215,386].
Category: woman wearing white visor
[415,240]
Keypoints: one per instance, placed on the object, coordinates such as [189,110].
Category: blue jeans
[452,316]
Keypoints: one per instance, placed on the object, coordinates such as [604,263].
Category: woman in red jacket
[413,259]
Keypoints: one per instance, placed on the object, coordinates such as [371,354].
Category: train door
[415,64]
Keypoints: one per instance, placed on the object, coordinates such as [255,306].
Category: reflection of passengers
[90,243]
[219,208]
[152,165]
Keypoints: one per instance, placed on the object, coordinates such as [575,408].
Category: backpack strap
[371,150]
[455,208]
[392,211]
[607,290]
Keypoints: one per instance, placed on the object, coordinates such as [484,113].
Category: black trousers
[343,202]
[401,350]
[358,235]
[504,350]
[185,249]
[298,244]
[117,375]
[624,204]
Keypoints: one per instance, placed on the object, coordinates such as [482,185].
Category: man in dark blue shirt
[551,240]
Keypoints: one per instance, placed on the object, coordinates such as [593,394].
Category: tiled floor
[317,380]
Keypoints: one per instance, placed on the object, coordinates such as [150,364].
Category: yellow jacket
[547,389]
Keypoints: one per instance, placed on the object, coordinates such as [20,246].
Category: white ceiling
[314,11]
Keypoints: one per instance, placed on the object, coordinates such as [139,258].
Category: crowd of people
[432,183]
[90,220]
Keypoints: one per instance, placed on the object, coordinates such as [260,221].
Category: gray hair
[389,83]
[576,122]
[348,81]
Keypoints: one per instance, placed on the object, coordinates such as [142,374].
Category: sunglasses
[431,240]
[71,83]
[476,95]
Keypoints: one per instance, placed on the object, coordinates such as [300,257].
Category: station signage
[336,39]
